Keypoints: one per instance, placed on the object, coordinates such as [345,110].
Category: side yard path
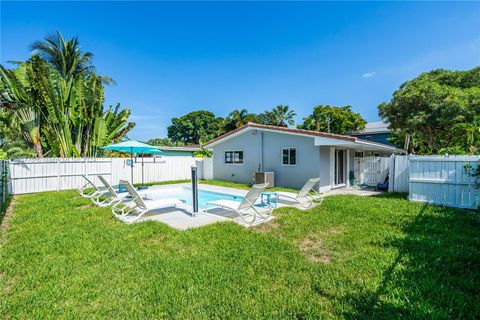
[351,257]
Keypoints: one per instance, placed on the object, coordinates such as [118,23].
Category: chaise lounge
[303,197]
[246,206]
[138,206]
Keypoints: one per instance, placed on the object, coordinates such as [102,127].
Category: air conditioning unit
[263,177]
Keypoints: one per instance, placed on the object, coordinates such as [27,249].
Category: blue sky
[172,58]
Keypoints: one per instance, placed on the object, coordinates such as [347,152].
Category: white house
[294,155]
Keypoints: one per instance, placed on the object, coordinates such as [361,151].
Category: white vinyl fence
[38,175]
[444,181]
[398,174]
[371,170]
[208,168]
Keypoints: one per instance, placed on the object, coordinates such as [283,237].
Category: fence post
[3,182]
[58,174]
[391,186]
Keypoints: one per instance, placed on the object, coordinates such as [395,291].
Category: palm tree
[281,116]
[237,118]
[66,117]
[64,55]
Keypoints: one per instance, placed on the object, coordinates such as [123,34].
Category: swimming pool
[183,193]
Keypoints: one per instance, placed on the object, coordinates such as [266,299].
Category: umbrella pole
[131,167]
[142,168]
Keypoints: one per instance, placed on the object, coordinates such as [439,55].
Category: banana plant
[64,115]
[17,95]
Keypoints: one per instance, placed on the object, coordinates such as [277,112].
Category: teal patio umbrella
[131,147]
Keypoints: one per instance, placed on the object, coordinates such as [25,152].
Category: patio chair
[303,197]
[89,185]
[247,204]
[111,197]
[139,205]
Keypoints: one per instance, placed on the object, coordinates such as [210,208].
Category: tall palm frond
[281,116]
[64,55]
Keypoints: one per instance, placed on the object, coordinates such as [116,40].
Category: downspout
[261,151]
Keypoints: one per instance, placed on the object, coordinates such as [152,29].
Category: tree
[65,117]
[11,139]
[167,142]
[203,153]
[339,120]
[195,127]
[238,118]
[428,109]
[466,138]
[280,116]
[64,56]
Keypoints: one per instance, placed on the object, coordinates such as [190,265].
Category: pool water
[204,196]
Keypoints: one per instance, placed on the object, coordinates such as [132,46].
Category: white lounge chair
[303,197]
[94,192]
[246,205]
[111,197]
[140,206]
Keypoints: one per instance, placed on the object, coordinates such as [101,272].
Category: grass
[351,257]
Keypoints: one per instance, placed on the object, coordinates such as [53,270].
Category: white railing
[49,174]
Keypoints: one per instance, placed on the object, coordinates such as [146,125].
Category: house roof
[281,129]
[374,127]
[183,148]
[301,132]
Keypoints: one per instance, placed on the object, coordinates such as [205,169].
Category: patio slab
[182,219]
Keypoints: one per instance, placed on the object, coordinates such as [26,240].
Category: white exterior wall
[262,151]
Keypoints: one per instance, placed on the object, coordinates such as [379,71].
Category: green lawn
[352,257]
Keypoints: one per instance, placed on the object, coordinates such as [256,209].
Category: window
[289,156]
[358,154]
[234,157]
[369,138]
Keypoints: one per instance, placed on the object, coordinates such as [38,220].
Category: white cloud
[368,75]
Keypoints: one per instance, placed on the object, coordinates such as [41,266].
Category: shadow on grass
[436,273]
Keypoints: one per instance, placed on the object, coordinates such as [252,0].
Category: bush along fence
[51,174]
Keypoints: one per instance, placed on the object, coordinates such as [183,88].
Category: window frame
[233,152]
[289,164]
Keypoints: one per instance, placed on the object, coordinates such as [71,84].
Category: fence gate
[371,170]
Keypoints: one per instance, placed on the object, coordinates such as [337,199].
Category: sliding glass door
[339,167]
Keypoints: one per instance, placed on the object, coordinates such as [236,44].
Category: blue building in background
[374,131]
[185,151]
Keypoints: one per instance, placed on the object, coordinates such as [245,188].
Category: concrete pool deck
[182,219]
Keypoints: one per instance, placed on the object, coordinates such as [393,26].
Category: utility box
[264,177]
